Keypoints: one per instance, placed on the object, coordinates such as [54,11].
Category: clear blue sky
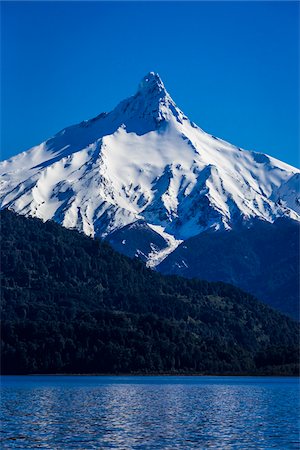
[233,68]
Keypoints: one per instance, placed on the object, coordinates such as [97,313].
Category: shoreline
[103,375]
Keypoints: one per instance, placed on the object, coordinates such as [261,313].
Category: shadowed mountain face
[71,304]
[137,240]
[262,260]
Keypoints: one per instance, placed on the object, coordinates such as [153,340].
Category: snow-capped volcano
[146,166]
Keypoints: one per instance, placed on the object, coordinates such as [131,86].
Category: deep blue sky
[233,68]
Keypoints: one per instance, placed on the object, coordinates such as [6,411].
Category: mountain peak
[148,108]
[151,83]
[146,161]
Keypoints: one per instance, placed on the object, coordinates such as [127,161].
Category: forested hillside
[71,304]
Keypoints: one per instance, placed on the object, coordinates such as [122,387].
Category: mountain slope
[147,163]
[262,259]
[72,304]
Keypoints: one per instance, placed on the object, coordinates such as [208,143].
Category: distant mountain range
[157,186]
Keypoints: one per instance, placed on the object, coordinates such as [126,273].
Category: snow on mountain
[146,162]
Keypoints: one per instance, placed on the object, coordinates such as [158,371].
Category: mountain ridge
[145,161]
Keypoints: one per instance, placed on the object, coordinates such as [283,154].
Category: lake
[159,412]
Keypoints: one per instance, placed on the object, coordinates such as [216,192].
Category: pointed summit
[147,110]
[145,161]
[152,90]
[152,83]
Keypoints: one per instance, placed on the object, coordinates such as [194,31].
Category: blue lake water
[87,412]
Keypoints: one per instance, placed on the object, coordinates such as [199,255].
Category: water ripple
[149,413]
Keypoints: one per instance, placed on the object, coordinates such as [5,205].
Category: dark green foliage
[71,304]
